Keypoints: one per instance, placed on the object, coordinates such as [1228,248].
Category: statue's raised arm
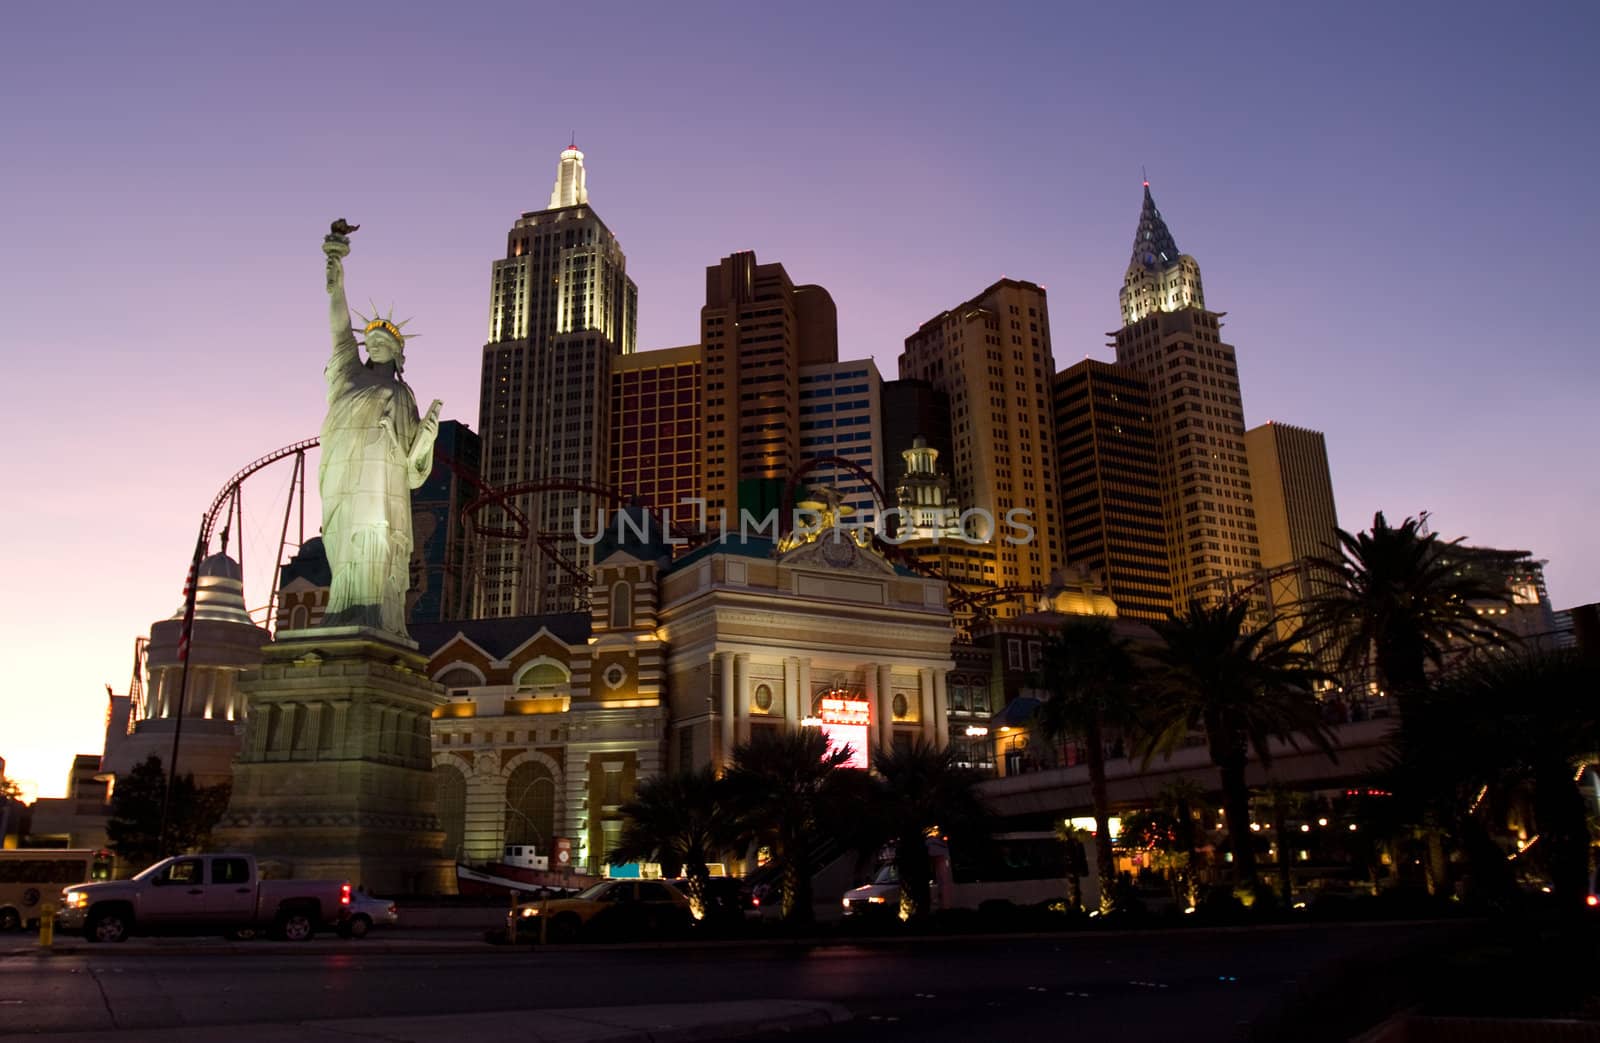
[336,245]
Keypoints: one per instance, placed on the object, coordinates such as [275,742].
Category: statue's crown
[386,324]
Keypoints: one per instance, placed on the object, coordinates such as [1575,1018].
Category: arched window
[300,618]
[621,604]
[458,678]
[450,800]
[542,676]
[531,806]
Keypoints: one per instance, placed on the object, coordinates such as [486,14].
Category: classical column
[791,693]
[341,725]
[741,695]
[804,686]
[256,732]
[886,697]
[311,734]
[925,702]
[874,705]
[941,710]
[725,667]
[285,736]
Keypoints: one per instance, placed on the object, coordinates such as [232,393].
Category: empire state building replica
[561,307]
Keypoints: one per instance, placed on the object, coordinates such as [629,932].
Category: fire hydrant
[47,925]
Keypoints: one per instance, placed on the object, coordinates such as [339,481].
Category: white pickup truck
[198,894]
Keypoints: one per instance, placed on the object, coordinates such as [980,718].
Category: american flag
[190,589]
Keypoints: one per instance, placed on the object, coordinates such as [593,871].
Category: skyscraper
[1295,515]
[439,527]
[656,432]
[758,329]
[839,416]
[992,356]
[1111,519]
[913,409]
[561,308]
[1171,340]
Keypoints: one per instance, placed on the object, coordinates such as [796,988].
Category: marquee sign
[836,710]
[844,721]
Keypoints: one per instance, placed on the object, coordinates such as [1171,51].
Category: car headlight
[846,903]
[74,899]
[530,912]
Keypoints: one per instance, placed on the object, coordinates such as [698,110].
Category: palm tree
[923,792]
[681,821]
[1283,802]
[1404,598]
[1072,839]
[1089,674]
[1181,799]
[1242,687]
[789,792]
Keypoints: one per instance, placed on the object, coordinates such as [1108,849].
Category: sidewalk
[439,941]
[653,1023]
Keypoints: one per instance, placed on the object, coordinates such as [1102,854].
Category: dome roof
[220,595]
[221,566]
[310,563]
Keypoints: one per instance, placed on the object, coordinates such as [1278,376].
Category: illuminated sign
[1087,824]
[845,711]
[844,722]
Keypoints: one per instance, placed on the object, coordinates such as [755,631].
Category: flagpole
[185,638]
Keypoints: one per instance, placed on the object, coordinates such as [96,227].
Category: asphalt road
[1137,985]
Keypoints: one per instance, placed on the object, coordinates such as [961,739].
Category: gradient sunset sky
[1393,203]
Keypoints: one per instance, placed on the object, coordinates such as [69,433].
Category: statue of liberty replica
[374,452]
[335,775]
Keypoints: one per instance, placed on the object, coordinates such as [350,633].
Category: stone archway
[532,801]
[450,802]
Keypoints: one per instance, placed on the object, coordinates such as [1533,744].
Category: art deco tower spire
[1153,245]
[570,189]
[1159,278]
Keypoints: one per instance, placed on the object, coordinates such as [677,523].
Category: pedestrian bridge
[1064,792]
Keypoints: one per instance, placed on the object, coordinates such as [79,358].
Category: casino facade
[552,720]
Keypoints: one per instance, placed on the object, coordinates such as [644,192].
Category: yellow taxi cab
[609,909]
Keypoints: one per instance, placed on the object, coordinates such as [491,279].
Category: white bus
[30,877]
[1020,869]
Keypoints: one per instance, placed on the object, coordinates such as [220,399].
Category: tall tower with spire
[1174,343]
[1159,277]
[561,307]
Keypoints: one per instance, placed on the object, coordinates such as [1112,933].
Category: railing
[1030,753]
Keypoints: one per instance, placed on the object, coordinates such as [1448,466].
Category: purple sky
[1387,200]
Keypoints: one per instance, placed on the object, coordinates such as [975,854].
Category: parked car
[367,912]
[729,901]
[198,894]
[878,898]
[609,909]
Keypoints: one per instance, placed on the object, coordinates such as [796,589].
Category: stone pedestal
[335,777]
